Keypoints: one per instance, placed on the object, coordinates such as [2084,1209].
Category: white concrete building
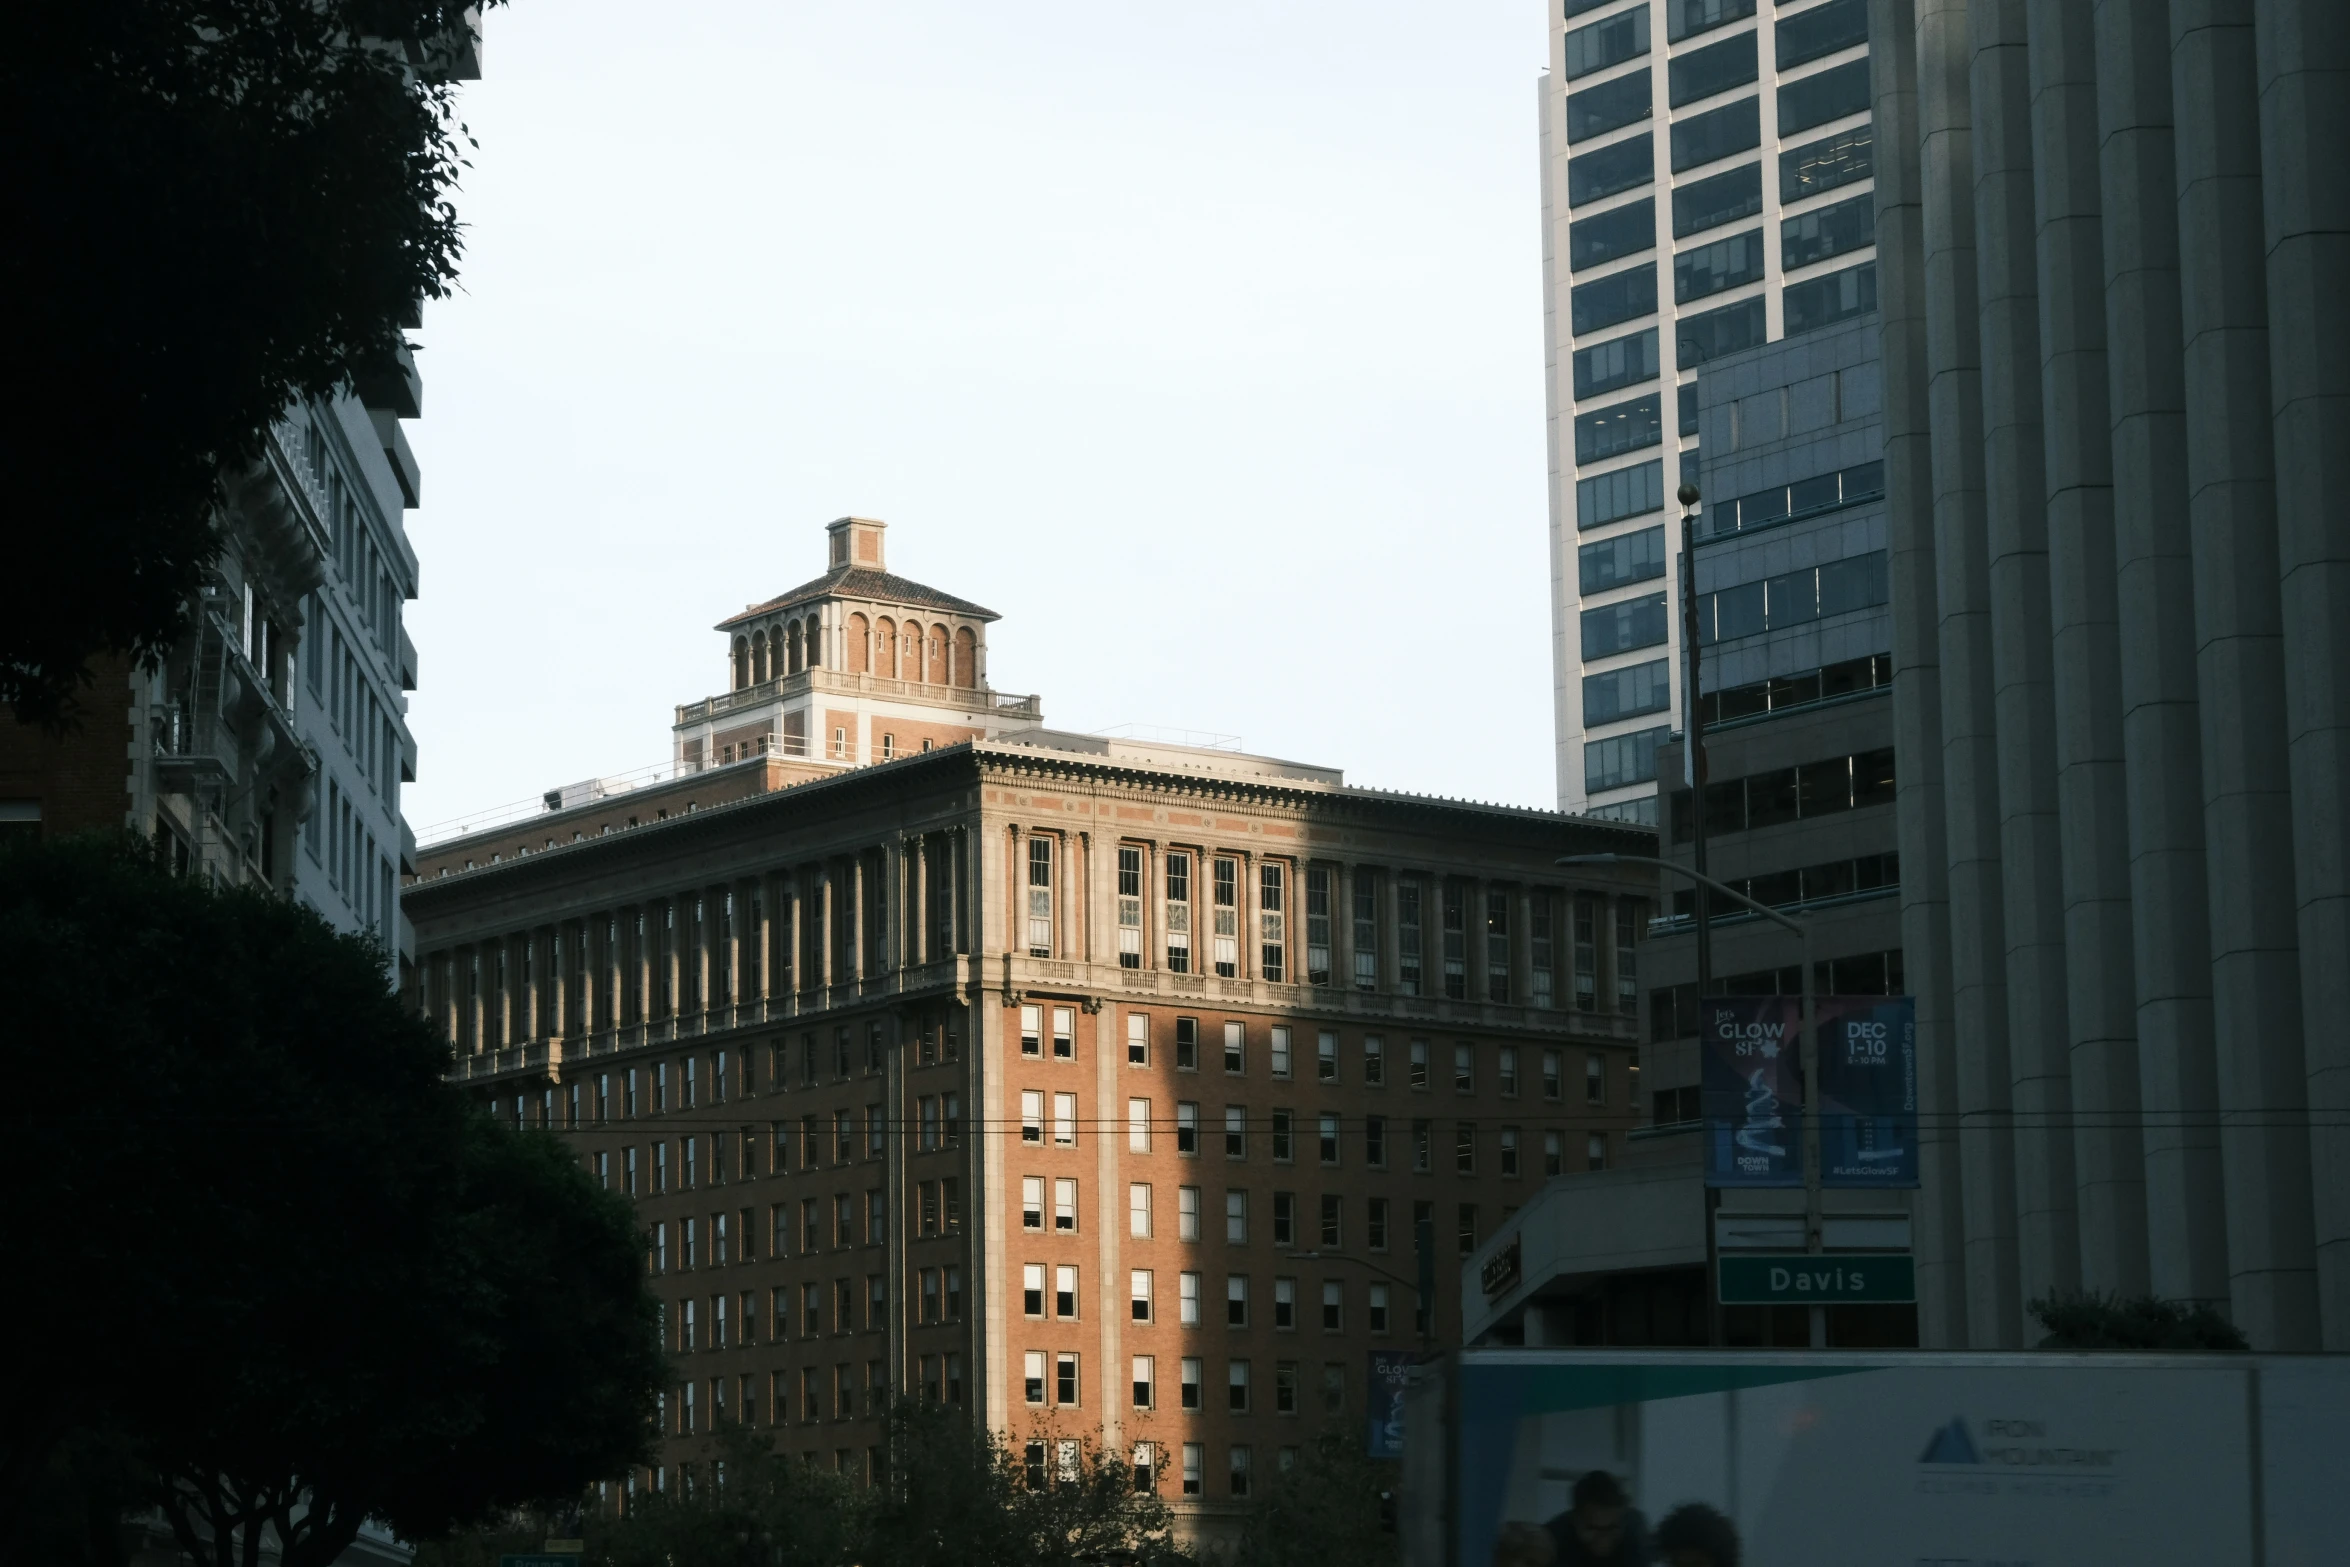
[1707,183]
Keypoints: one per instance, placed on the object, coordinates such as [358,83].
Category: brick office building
[1098,1085]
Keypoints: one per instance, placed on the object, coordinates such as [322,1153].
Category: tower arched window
[742,662]
[791,642]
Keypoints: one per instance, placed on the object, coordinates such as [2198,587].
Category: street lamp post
[1808,1048]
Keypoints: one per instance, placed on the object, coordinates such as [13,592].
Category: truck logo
[1951,1445]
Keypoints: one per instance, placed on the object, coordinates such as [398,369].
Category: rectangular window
[1226,909]
[1612,104]
[1628,922]
[1187,1044]
[1065,1203]
[1145,1384]
[1178,916]
[1608,301]
[1032,1379]
[1375,1308]
[1407,936]
[1717,133]
[1065,1290]
[1375,1141]
[1326,1057]
[1138,1039]
[1497,947]
[1419,1063]
[1186,1127]
[1283,1122]
[1235,1217]
[1277,1049]
[1717,199]
[1285,1305]
[1235,1048]
[1366,921]
[1375,1224]
[1187,1213]
[1618,38]
[1823,301]
[1241,1466]
[1328,1137]
[1285,1387]
[1824,165]
[1611,170]
[1464,1148]
[1718,267]
[1468,1227]
[1456,944]
[954,1289]
[1509,1150]
[1823,96]
[1129,906]
[1622,759]
[1032,1289]
[1619,428]
[1032,1031]
[1138,1209]
[1595,1078]
[1595,1151]
[1064,1120]
[1614,234]
[1552,1072]
[1464,1069]
[1064,1033]
[1031,1115]
[1619,362]
[1272,926]
[1423,1146]
[1374,1061]
[1284,1218]
[1553,1157]
[1720,331]
[1317,925]
[1333,1212]
[1040,897]
[1138,1126]
[1189,1382]
[1701,73]
[1138,1291]
[1195,1463]
[1236,1300]
[1187,1287]
[1235,1132]
[1827,231]
[1621,492]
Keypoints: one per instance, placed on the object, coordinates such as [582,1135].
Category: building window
[1333,1214]
[1456,943]
[1375,1141]
[1628,920]
[1285,1305]
[1064,1120]
[1236,1300]
[1374,1062]
[1240,1470]
[1032,1031]
[1366,918]
[1031,1115]
[1032,1381]
[1032,1202]
[1277,1049]
[1235,1216]
[1032,1289]
[1065,1203]
[1375,1311]
[1464,1148]
[1187,1299]
[1129,906]
[1187,1044]
[1273,931]
[1509,1150]
[1064,1033]
[1138,1210]
[1138,1126]
[1226,935]
[1468,1227]
[1423,1146]
[1284,1219]
[1327,1123]
[1333,1306]
[1138,1039]
[1407,937]
[1282,1136]
[1326,1057]
[1139,1294]
[1235,1048]
[1195,1463]
[1065,1290]
[1236,1387]
[1178,914]
[1464,1069]
[1040,897]
[1595,1151]
[1187,1213]
[1145,1397]
[1317,925]
[1419,1063]
[1497,947]
[1190,1383]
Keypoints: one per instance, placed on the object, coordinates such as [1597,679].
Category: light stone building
[1100,1086]
[2115,239]
[1706,187]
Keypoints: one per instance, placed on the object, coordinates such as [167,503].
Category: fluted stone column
[2304,68]
[2248,822]
[1917,683]
[1970,738]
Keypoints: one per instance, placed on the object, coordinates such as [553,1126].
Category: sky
[1203,343]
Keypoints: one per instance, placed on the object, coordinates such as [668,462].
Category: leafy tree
[224,205]
[2090,1319]
[317,1284]
[742,1505]
[1329,1509]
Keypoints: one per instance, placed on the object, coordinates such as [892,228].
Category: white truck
[1896,1458]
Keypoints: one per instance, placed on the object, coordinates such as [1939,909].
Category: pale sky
[1202,342]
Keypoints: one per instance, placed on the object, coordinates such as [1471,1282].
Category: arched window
[742,662]
[860,648]
[910,652]
[938,656]
[815,642]
[885,647]
[966,659]
[791,640]
[759,657]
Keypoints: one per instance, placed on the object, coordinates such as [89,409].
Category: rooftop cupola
[856,541]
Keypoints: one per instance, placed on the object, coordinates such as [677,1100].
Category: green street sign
[1831,1279]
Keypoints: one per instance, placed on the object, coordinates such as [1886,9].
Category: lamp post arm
[1735,896]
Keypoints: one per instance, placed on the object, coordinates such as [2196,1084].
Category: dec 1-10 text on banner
[1752,1090]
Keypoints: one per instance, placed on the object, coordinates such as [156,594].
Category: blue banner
[1868,1091]
[1390,1368]
[1751,1089]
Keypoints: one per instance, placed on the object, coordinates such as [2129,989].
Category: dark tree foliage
[1330,1509]
[304,1281]
[219,205]
[2088,1319]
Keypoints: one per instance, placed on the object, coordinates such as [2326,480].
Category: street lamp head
[1688,494]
